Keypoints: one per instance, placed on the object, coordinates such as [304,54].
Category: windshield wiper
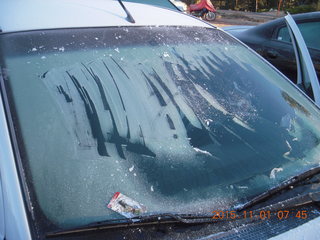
[155,219]
[283,186]
[298,201]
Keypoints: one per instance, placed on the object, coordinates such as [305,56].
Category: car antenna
[129,16]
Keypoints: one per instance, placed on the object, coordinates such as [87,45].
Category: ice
[210,99]
[290,149]
[274,171]
[242,123]
[208,121]
[61,49]
[202,151]
[242,187]
[131,169]
[165,54]
[34,49]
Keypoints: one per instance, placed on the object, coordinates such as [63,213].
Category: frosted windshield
[179,119]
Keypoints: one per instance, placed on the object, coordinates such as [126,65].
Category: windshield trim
[210,26]
[11,169]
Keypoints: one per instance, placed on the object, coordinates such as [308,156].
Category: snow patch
[202,151]
[274,171]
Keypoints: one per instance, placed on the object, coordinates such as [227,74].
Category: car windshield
[178,119]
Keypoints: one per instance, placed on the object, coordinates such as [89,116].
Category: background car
[109,100]
[272,41]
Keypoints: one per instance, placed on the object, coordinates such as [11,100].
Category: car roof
[22,15]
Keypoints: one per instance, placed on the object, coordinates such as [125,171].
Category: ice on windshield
[176,127]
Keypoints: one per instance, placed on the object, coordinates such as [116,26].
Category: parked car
[127,121]
[272,41]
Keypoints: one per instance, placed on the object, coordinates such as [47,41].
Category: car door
[279,51]
[306,75]
[281,55]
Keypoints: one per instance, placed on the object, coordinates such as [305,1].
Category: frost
[208,121]
[242,124]
[165,54]
[202,151]
[61,49]
[274,171]
[131,169]
[34,49]
[117,50]
[210,99]
[290,149]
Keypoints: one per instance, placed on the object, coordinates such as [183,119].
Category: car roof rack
[129,16]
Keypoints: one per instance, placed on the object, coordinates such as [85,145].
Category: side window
[283,35]
[308,31]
